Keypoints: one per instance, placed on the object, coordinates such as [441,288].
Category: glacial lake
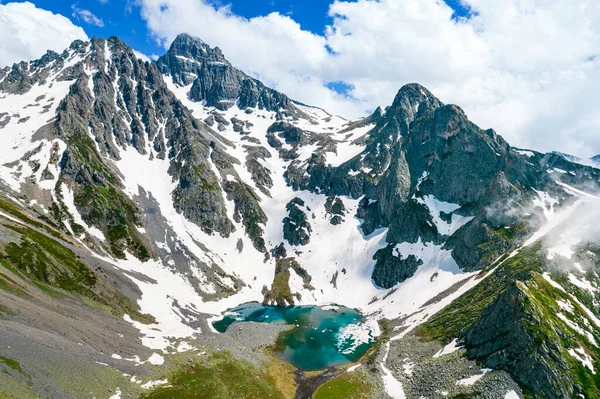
[323,336]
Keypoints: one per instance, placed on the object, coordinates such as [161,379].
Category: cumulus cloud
[141,55]
[528,68]
[27,32]
[87,16]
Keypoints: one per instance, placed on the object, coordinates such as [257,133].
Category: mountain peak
[412,101]
[186,37]
[193,47]
[414,92]
[190,61]
[412,87]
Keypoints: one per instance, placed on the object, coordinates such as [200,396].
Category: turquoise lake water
[322,337]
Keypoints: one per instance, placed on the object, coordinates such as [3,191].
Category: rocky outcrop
[296,227]
[280,293]
[509,335]
[261,175]
[335,209]
[247,211]
[214,80]
[391,268]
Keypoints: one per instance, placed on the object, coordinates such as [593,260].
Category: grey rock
[502,339]
[296,227]
[214,80]
[391,269]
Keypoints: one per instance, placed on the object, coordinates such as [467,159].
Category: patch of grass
[117,304]
[13,210]
[201,171]
[6,311]
[346,386]
[219,376]
[113,213]
[465,310]
[46,260]
[49,290]
[11,389]
[12,364]
[10,268]
[9,285]
[54,267]
[283,375]
[81,378]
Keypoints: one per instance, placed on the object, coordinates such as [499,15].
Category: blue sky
[122,17]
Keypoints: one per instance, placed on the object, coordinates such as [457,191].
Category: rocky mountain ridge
[199,189]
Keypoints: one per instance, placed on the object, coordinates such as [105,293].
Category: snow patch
[152,384]
[353,368]
[512,395]
[436,207]
[450,348]
[392,386]
[577,328]
[349,338]
[584,358]
[473,379]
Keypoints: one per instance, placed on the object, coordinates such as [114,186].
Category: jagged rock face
[335,207]
[124,103]
[421,148]
[260,174]
[392,269]
[130,105]
[22,76]
[504,338]
[447,141]
[288,140]
[296,227]
[214,79]
[576,173]
[248,211]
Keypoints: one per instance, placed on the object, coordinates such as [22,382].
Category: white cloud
[527,68]
[87,16]
[141,55]
[27,32]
